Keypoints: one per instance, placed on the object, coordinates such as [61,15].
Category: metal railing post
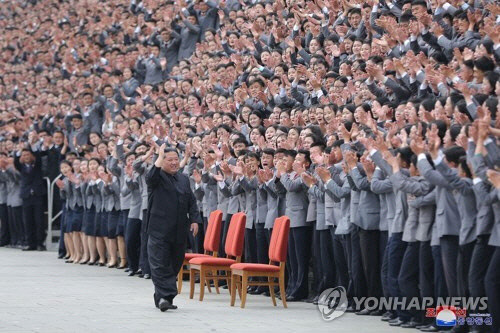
[50,211]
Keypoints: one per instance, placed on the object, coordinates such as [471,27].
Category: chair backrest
[236,235]
[212,238]
[279,239]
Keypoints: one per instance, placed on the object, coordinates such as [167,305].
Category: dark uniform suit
[171,210]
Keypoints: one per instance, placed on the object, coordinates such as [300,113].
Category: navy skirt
[122,222]
[113,219]
[75,219]
[64,219]
[102,224]
[89,222]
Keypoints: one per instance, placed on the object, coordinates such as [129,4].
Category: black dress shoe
[165,305]
[388,316]
[430,328]
[225,286]
[127,270]
[460,329]
[69,261]
[147,276]
[364,312]
[140,274]
[29,248]
[121,267]
[411,324]
[92,263]
[112,266]
[293,299]
[84,262]
[61,256]
[350,309]
[258,291]
[132,273]
[377,313]
[310,299]
[41,248]
[397,322]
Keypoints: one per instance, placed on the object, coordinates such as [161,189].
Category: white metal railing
[50,213]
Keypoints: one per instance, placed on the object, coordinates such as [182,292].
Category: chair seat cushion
[211,261]
[255,267]
[189,256]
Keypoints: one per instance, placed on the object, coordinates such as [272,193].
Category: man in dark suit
[171,208]
[29,164]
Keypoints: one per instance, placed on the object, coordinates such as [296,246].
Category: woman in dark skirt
[92,201]
[63,185]
[101,219]
[111,194]
[75,215]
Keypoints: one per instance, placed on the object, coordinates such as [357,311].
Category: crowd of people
[371,124]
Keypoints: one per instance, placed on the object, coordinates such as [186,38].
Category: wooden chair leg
[282,290]
[233,290]
[238,285]
[179,279]
[244,286]
[228,281]
[207,281]
[191,283]
[202,283]
[216,281]
[271,290]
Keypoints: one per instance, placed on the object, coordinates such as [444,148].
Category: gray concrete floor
[39,293]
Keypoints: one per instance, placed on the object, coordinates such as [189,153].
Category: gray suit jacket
[418,187]
[369,205]
[250,187]
[466,200]
[276,199]
[447,216]
[342,192]
[297,200]
[318,192]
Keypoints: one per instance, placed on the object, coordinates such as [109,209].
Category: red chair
[234,251]
[210,244]
[240,272]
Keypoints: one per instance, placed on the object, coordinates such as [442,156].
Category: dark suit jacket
[32,183]
[171,206]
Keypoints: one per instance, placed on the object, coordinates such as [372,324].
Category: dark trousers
[133,243]
[16,225]
[384,259]
[143,261]
[481,256]
[262,244]
[326,261]
[340,244]
[62,219]
[449,255]
[317,288]
[224,229]
[440,287]
[358,277]
[492,285]
[369,241]
[408,275]
[395,252]
[5,232]
[463,265]
[165,260]
[250,246]
[299,242]
[426,270]
[198,240]
[33,223]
